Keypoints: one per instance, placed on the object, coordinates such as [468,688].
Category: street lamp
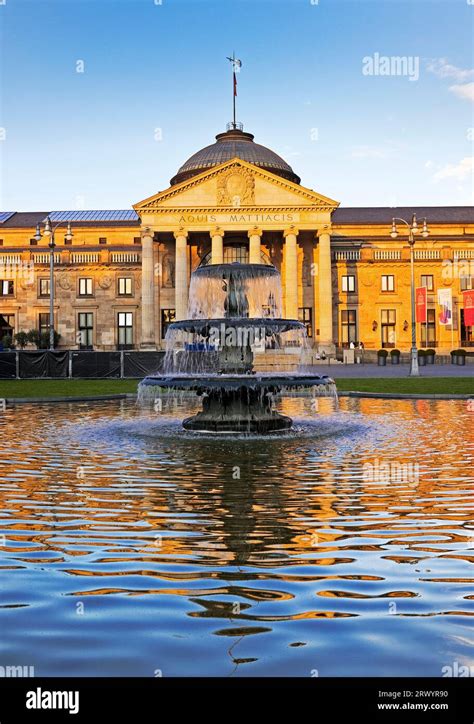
[413,229]
[49,231]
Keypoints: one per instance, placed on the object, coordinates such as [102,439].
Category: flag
[445,301]
[468,298]
[421,300]
[235,84]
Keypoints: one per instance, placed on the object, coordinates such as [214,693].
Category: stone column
[291,272]
[325,290]
[217,242]
[181,274]
[254,245]
[148,291]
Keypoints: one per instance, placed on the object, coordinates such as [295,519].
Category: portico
[193,223]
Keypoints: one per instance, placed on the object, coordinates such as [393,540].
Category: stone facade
[342,273]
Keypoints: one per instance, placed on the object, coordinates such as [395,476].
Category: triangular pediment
[236,184]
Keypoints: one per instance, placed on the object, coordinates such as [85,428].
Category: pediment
[235,184]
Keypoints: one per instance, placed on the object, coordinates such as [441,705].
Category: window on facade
[33,242]
[85,325]
[428,329]
[467,283]
[348,283]
[43,322]
[388,283]
[7,288]
[167,316]
[137,240]
[43,288]
[348,327]
[85,287]
[427,281]
[125,330]
[234,254]
[125,286]
[102,240]
[388,318]
[7,325]
[1,242]
[305,315]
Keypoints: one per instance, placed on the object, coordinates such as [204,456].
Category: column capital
[216,231]
[255,231]
[180,233]
[147,232]
[325,231]
[291,230]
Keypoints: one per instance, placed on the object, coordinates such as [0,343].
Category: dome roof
[230,144]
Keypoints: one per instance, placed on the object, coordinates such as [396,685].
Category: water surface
[132,548]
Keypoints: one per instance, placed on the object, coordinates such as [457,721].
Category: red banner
[468,297]
[421,300]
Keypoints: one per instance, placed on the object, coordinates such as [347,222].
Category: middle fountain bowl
[235,351]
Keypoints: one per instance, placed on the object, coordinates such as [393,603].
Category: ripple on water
[132,546]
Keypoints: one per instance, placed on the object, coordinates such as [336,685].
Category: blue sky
[89,140]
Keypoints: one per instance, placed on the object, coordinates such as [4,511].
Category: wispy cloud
[443,69]
[462,88]
[458,171]
[464,91]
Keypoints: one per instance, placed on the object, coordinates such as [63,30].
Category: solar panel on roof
[5,215]
[97,215]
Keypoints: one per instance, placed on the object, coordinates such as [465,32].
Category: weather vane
[236,66]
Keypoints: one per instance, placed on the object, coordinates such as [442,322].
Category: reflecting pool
[343,548]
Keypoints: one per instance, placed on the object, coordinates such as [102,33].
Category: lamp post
[412,230]
[49,231]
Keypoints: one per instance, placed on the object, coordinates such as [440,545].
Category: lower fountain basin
[236,403]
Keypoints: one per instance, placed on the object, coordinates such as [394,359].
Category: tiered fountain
[234,327]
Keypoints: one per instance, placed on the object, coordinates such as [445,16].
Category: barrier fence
[78,364]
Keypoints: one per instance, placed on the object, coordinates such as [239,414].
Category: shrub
[382,353]
[7,341]
[431,351]
[395,352]
[21,338]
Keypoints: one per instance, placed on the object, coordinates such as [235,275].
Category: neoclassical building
[124,276]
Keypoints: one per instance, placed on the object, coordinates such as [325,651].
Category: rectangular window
[85,325]
[125,287]
[125,330]
[33,242]
[428,329]
[348,327]
[167,316]
[427,281]
[467,283]
[85,287]
[388,283]
[43,322]
[389,317]
[137,239]
[43,288]
[7,325]
[305,315]
[7,288]
[348,283]
[1,242]
[102,240]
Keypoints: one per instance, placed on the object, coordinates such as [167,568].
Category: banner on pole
[445,301]
[421,304]
[468,299]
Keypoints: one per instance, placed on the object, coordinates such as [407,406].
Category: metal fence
[78,364]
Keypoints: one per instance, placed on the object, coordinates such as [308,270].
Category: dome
[230,144]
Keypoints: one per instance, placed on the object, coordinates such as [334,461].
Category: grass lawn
[63,388]
[426,385]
